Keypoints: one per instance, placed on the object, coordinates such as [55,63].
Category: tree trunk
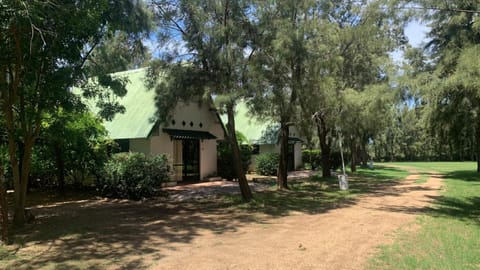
[283,164]
[3,209]
[364,155]
[21,171]
[60,168]
[237,160]
[477,139]
[324,146]
[353,161]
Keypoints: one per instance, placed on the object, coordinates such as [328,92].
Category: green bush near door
[133,176]
[267,163]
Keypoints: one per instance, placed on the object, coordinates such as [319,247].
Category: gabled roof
[249,125]
[257,131]
[139,102]
[140,111]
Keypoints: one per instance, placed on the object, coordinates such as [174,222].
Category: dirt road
[343,238]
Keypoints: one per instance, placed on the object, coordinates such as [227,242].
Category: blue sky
[416,33]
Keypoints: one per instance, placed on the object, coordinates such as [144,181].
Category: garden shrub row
[133,176]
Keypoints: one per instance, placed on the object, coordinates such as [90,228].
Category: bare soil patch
[195,233]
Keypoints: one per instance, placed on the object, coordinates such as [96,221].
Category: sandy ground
[339,239]
[177,234]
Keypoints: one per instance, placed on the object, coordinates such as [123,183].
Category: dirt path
[177,233]
[342,238]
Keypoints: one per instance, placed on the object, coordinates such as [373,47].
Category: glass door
[191,160]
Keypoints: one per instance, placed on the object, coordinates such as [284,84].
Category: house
[189,139]
[264,136]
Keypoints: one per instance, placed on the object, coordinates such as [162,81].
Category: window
[124,145]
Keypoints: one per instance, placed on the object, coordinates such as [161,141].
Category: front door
[191,160]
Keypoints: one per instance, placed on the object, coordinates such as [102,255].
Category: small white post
[342,179]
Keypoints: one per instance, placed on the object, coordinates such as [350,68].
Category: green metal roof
[257,131]
[189,134]
[139,102]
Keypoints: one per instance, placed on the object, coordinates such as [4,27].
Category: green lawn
[317,194]
[449,235]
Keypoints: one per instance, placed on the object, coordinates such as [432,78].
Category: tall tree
[44,46]
[280,66]
[350,53]
[217,38]
[453,93]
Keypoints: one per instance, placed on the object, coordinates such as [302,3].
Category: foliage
[436,116]
[44,47]
[119,52]
[217,37]
[267,163]
[77,140]
[225,161]
[225,167]
[335,161]
[133,176]
[312,157]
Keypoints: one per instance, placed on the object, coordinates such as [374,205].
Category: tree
[76,143]
[452,92]
[44,46]
[3,208]
[348,54]
[217,36]
[280,67]
[119,52]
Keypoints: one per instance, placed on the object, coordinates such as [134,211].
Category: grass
[422,179]
[449,234]
[317,195]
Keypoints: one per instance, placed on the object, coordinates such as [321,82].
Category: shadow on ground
[466,203]
[120,234]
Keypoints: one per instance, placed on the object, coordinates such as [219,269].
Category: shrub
[312,158]
[225,165]
[267,163]
[133,176]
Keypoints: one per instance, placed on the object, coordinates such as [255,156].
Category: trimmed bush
[267,163]
[225,166]
[133,176]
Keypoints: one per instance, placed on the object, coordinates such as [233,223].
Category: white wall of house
[208,158]
[196,117]
[161,144]
[297,153]
[202,119]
